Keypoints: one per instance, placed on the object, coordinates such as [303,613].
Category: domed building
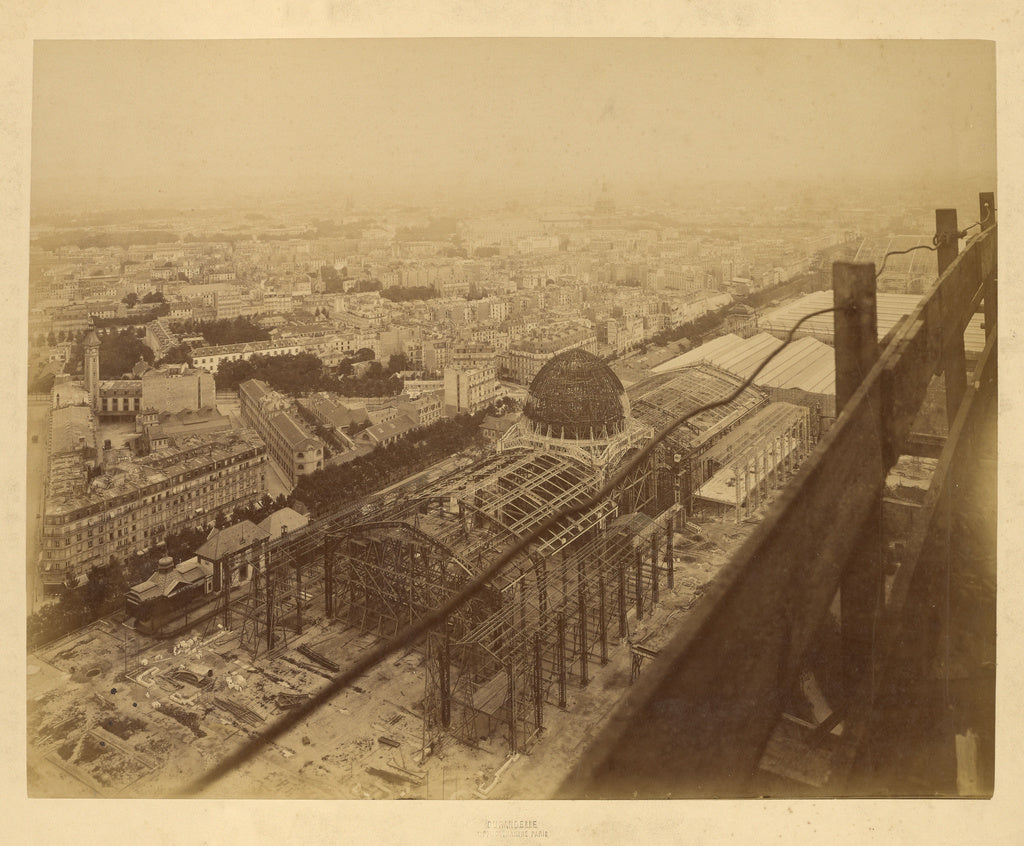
[576,395]
[577,406]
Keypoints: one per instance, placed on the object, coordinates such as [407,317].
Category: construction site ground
[186,703]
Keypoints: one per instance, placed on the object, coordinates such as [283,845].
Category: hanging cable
[938,240]
[439,613]
[988,214]
[885,258]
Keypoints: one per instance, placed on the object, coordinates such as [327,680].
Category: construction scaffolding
[578,408]
[514,648]
[391,571]
[663,399]
[280,598]
[517,647]
[290,588]
[386,574]
[576,395]
[559,614]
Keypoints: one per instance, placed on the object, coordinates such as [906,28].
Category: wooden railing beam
[697,720]
[916,352]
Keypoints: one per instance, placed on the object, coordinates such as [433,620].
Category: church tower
[92,368]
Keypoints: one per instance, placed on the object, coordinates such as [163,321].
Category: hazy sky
[151,122]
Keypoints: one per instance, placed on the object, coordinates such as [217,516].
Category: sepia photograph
[511,419]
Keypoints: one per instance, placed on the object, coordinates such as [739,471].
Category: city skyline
[119,124]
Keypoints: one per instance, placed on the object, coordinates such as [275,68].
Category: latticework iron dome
[576,395]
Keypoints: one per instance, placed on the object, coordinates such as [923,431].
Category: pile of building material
[239,712]
[322,660]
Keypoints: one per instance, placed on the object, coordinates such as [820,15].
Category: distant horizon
[456,122]
[725,194]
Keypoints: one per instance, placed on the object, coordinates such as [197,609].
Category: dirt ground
[111,713]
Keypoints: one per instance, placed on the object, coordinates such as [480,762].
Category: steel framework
[515,648]
[559,614]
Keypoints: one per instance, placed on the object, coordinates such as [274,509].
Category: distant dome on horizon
[576,395]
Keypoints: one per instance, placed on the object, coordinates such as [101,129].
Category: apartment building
[174,387]
[223,299]
[159,337]
[526,356]
[470,390]
[134,504]
[209,358]
[425,408]
[472,354]
[294,449]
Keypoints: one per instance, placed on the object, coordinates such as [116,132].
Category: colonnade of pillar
[764,468]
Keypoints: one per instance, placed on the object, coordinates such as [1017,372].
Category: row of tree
[120,351]
[367,286]
[237,330]
[695,330]
[103,594]
[376,382]
[410,293]
[299,373]
[178,354]
[131,299]
[692,331]
[338,282]
[183,545]
[336,485]
[325,490]
[334,281]
[52,338]
[156,310]
[303,373]
[803,284]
